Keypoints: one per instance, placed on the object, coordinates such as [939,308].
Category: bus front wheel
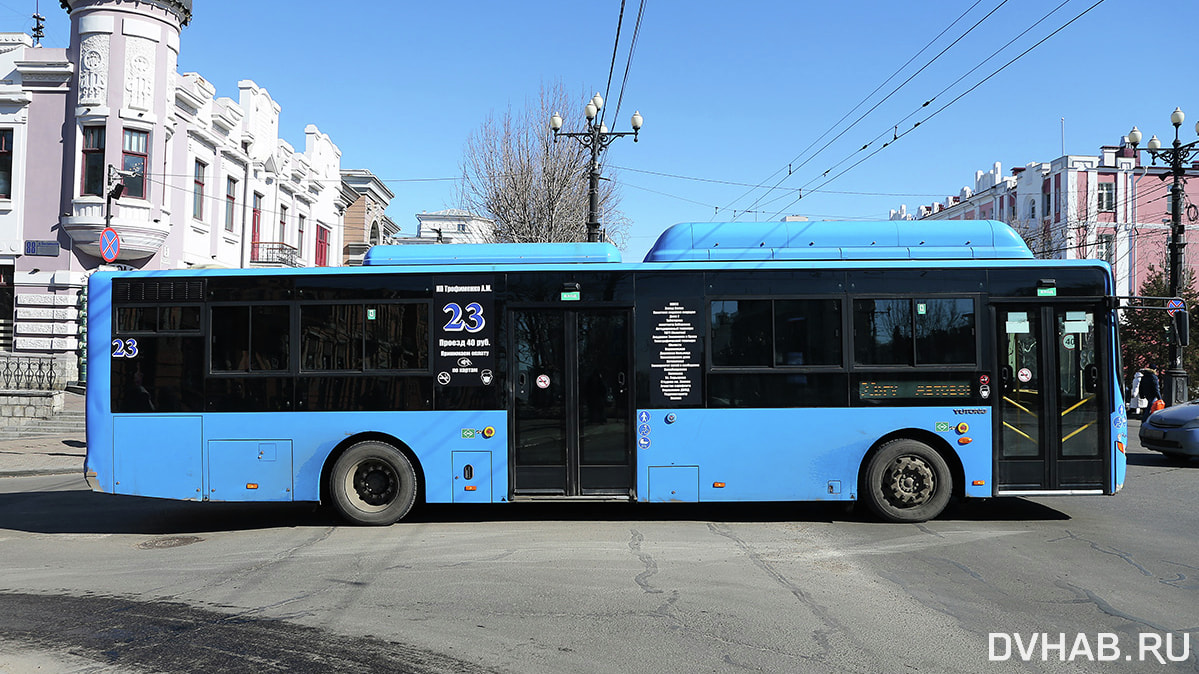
[907,481]
[373,483]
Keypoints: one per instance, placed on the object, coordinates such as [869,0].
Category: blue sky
[731,93]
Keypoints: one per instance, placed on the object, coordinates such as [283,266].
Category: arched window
[375,238]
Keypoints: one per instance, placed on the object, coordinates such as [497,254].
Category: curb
[40,472]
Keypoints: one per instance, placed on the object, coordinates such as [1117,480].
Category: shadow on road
[120,634]
[83,511]
[1159,460]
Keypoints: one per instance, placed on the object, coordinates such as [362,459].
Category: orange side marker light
[471,487]
[718,485]
[964,441]
[251,485]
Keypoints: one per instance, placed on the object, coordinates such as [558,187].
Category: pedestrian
[1151,391]
[1135,402]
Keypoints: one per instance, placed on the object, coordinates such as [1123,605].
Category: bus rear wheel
[907,481]
[373,483]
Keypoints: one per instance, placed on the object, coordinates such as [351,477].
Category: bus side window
[230,338]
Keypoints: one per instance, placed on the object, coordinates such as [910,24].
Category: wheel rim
[910,482]
[372,485]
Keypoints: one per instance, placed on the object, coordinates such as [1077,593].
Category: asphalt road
[97,583]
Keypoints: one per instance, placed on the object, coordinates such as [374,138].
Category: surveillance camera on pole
[115,188]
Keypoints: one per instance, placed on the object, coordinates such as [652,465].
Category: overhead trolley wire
[629,62]
[938,111]
[790,169]
[615,49]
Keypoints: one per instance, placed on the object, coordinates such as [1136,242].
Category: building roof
[182,8]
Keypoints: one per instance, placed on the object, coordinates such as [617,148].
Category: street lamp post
[595,138]
[1177,157]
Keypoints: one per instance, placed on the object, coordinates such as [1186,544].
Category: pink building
[1112,207]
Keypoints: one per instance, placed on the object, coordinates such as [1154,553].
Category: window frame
[230,203]
[1106,243]
[135,156]
[256,218]
[90,153]
[914,365]
[198,190]
[322,246]
[7,138]
[773,366]
[287,370]
[1105,196]
[424,341]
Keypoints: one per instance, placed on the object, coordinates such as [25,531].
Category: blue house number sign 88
[124,348]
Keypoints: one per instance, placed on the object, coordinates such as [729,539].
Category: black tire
[907,481]
[373,483]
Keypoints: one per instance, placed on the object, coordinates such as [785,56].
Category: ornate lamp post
[1177,157]
[596,139]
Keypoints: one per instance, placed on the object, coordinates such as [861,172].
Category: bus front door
[572,423]
[1053,433]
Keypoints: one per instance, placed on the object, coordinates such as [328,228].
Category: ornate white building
[207,180]
[454,225]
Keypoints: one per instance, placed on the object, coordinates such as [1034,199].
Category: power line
[947,105]
[895,126]
[922,68]
[740,184]
[629,62]
[615,48]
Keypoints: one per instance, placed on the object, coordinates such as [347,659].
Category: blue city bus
[897,363]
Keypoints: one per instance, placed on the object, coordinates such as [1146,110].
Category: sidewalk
[45,455]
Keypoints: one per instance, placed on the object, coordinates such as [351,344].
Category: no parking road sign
[110,244]
[1175,306]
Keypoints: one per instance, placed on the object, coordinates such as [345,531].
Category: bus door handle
[1005,376]
[522,384]
[1091,378]
[620,388]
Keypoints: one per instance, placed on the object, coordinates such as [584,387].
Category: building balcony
[140,236]
[274,253]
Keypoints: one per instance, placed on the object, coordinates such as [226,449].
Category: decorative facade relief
[93,69]
[139,73]
[172,77]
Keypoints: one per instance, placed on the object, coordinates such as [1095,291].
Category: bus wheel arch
[372,479]
[910,476]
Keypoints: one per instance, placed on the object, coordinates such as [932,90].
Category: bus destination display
[882,390]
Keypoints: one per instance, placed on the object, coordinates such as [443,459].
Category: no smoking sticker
[543,381]
[1024,375]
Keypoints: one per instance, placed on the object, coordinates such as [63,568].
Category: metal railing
[274,252]
[23,373]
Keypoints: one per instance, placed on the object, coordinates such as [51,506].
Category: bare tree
[1040,238]
[533,188]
